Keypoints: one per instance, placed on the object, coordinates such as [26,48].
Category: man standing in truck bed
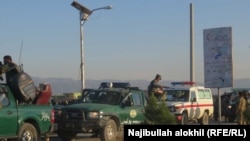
[10,68]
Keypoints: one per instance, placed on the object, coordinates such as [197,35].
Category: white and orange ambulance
[190,103]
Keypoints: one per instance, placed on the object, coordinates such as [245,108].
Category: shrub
[247,113]
[157,113]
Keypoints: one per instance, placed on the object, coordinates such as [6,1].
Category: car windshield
[102,97]
[234,99]
[177,95]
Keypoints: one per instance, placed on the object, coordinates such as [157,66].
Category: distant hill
[68,85]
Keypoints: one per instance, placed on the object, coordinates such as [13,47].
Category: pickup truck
[189,102]
[104,112]
[25,120]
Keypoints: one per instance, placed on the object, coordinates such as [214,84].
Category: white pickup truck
[190,103]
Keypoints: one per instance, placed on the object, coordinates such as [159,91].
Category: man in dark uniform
[10,68]
[155,88]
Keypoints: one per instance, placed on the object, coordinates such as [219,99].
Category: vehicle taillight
[172,109]
[52,116]
[183,83]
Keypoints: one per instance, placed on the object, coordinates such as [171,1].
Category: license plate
[69,125]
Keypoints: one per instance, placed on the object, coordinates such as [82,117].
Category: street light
[84,14]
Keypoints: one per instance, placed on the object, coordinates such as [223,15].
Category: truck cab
[103,111]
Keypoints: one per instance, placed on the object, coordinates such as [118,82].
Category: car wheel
[109,132]
[204,119]
[27,133]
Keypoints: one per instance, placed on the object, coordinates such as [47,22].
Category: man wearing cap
[155,87]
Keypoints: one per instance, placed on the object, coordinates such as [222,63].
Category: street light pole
[84,14]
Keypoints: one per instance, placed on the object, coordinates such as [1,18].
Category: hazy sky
[135,40]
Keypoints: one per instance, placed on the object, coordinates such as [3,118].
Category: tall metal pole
[219,107]
[82,50]
[84,14]
[191,44]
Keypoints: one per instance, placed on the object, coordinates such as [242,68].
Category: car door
[8,117]
[138,109]
[132,111]
[201,105]
[193,102]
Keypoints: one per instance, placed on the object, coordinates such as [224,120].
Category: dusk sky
[136,39]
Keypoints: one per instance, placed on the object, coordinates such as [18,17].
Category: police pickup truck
[103,111]
[24,115]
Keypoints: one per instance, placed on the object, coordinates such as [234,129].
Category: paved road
[80,137]
[87,137]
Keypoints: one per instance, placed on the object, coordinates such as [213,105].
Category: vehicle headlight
[172,109]
[94,115]
[58,111]
[229,106]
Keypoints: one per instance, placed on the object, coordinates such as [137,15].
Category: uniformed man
[241,107]
[10,68]
[156,89]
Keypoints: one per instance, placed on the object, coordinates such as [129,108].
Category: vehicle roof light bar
[183,83]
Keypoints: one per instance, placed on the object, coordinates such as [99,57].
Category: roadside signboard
[218,66]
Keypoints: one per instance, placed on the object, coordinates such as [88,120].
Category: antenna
[20,55]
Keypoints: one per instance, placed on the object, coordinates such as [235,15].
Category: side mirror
[126,102]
